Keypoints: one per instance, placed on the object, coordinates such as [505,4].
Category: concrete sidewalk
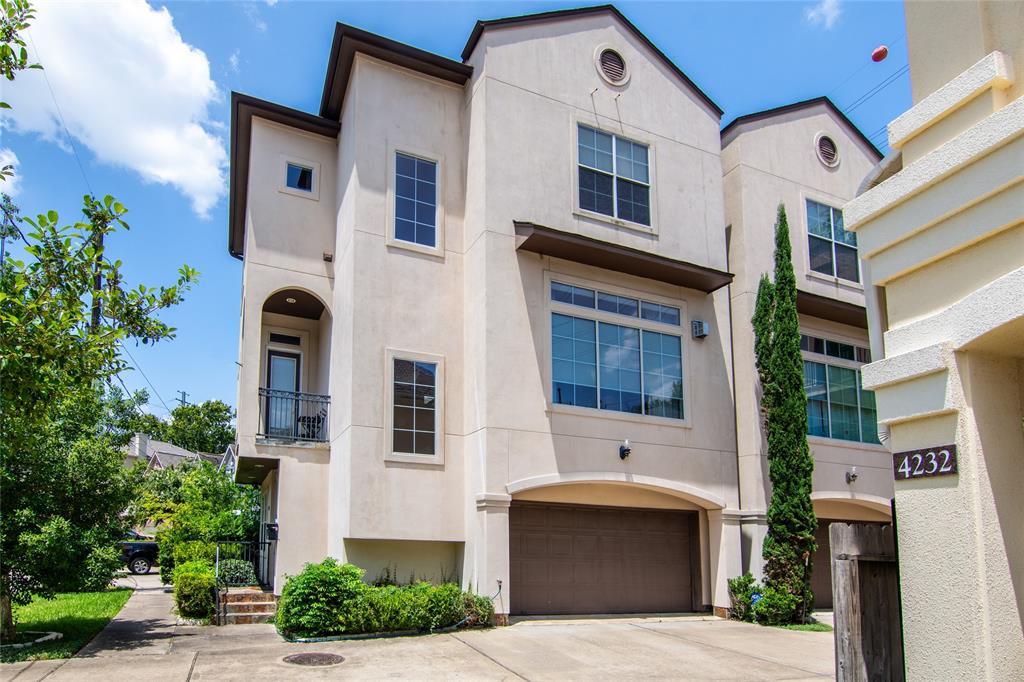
[143,642]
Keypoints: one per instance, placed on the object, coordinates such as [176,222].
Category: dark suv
[139,553]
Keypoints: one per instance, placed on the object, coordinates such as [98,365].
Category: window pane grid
[415,200]
[832,250]
[414,424]
[623,369]
[613,303]
[837,404]
[614,176]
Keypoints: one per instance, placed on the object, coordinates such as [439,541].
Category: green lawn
[808,627]
[79,615]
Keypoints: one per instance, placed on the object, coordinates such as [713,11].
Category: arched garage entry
[593,545]
[839,507]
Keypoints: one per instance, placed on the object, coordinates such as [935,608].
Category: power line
[139,367]
[889,80]
[60,115]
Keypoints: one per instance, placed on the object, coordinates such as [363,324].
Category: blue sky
[144,93]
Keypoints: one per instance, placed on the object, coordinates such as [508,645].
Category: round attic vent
[828,153]
[612,66]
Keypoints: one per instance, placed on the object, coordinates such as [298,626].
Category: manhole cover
[314,658]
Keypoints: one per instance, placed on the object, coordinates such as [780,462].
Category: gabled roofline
[797,106]
[348,40]
[556,15]
[243,109]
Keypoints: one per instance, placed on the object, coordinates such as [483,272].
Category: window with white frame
[614,176]
[837,405]
[832,250]
[632,367]
[414,407]
[415,200]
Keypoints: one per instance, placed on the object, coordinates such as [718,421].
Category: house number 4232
[937,461]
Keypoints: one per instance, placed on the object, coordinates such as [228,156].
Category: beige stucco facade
[941,229]
[768,159]
[478,306]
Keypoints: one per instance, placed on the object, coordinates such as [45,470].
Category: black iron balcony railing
[293,416]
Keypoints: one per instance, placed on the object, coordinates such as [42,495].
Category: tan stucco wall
[764,163]
[943,237]
[406,560]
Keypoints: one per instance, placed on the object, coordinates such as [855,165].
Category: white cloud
[233,61]
[12,183]
[253,13]
[825,13]
[130,90]
[271,3]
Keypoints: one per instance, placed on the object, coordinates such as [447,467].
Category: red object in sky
[880,53]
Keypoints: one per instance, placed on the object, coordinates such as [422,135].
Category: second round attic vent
[828,153]
[613,66]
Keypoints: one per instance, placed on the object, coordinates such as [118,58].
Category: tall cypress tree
[789,544]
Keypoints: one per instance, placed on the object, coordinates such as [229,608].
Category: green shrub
[194,586]
[314,602]
[389,608]
[479,609]
[740,592]
[446,605]
[172,553]
[236,572]
[776,607]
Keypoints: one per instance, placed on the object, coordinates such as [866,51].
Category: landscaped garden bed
[331,600]
[78,616]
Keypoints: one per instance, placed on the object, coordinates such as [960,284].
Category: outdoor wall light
[289,300]
[851,476]
[624,449]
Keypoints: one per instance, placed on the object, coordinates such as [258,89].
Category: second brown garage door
[586,560]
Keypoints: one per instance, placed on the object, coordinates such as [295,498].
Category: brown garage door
[579,559]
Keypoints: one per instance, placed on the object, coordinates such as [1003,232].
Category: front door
[282,402]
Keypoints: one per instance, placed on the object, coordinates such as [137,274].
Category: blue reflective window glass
[415,200]
[300,177]
[573,363]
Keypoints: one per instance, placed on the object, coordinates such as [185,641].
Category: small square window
[300,177]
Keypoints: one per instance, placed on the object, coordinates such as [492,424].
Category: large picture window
[837,405]
[619,367]
[833,250]
[614,176]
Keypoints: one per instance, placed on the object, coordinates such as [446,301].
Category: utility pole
[183,399]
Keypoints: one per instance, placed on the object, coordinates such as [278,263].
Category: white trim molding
[874,502]
[991,134]
[698,496]
[994,71]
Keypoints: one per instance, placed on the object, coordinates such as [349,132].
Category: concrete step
[243,596]
[252,607]
[245,618]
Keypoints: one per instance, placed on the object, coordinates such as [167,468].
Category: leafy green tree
[204,427]
[64,311]
[789,544]
[196,502]
[15,16]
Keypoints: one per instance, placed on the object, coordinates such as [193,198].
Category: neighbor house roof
[557,15]
[159,454]
[747,119]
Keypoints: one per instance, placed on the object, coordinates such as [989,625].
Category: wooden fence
[866,603]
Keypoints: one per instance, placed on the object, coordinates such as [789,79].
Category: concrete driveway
[145,644]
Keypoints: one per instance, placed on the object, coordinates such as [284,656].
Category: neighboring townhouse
[941,230]
[811,158]
[157,454]
[486,322]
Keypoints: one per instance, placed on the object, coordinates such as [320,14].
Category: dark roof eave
[482,25]
[348,40]
[597,253]
[797,106]
[831,309]
[243,108]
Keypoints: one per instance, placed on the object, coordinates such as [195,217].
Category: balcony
[288,415]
